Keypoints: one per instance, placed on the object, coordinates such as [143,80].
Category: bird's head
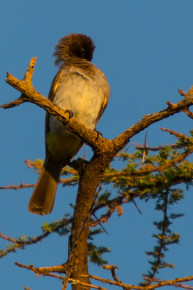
[74,46]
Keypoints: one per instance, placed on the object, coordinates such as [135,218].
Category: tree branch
[21,242]
[67,181]
[176,134]
[173,282]
[95,140]
[105,150]
[149,119]
[46,271]
[29,94]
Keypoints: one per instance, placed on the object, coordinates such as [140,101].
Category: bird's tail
[42,199]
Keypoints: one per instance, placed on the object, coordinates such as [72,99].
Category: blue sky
[145,48]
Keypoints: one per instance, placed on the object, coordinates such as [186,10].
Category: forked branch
[105,150]
[95,140]
[29,94]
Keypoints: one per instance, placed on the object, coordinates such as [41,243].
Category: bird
[81,88]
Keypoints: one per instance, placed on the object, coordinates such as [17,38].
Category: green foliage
[95,254]
[147,174]
[104,197]
[61,227]
[153,176]
[164,235]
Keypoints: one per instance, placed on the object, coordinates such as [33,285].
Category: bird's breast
[84,97]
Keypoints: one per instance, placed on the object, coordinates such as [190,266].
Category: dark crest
[74,45]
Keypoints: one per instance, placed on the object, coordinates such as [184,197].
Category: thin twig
[16,187]
[157,285]
[113,273]
[176,134]
[19,244]
[188,113]
[68,181]
[8,238]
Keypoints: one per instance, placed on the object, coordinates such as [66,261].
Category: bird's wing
[51,95]
[103,107]
[54,85]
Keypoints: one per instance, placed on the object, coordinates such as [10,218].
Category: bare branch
[8,238]
[16,187]
[176,134]
[95,140]
[157,285]
[157,148]
[149,119]
[46,271]
[67,181]
[29,94]
[113,273]
[29,73]
[14,103]
[188,113]
[105,150]
[182,93]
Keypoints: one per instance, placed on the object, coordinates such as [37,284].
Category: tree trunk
[89,180]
